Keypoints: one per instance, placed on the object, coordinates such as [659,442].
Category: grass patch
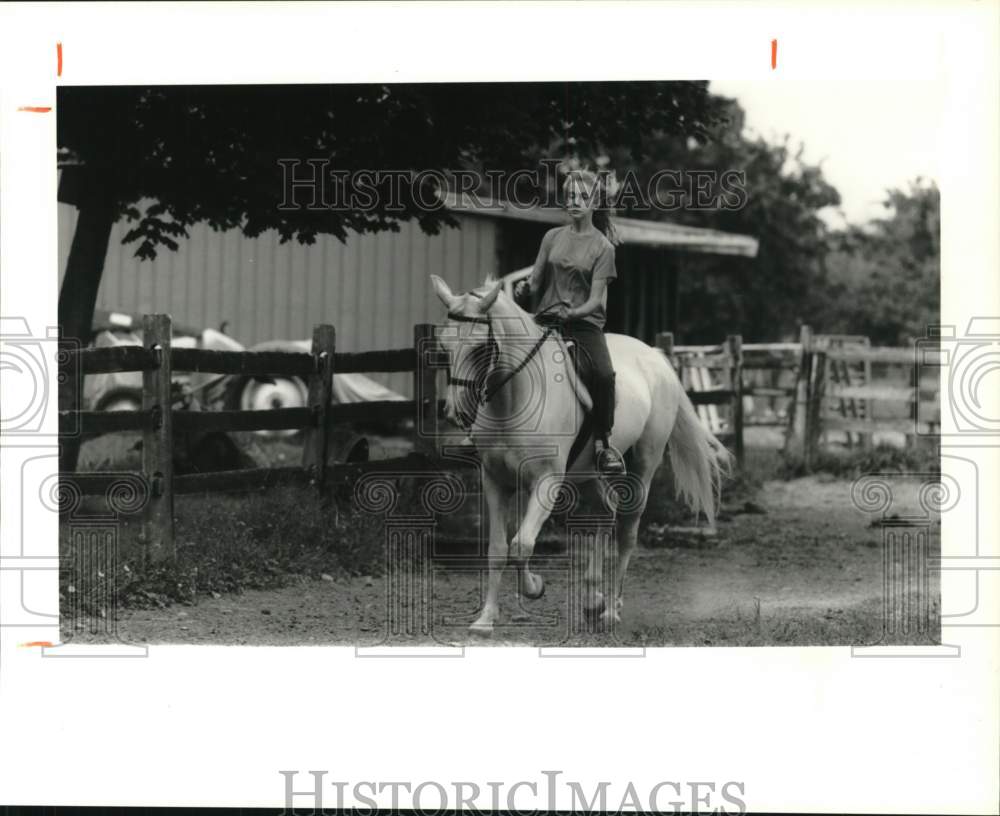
[230,543]
[850,464]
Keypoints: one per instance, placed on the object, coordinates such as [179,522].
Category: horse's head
[471,344]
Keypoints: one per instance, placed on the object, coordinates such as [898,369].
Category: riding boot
[609,460]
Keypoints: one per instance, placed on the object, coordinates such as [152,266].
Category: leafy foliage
[880,279]
[884,278]
[211,153]
[765,297]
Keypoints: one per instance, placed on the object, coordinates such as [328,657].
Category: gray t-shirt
[568,262]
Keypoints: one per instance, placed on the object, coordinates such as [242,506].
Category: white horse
[529,409]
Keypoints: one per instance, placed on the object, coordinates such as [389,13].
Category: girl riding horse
[575,263]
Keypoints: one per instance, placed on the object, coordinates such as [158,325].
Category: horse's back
[629,354]
[625,344]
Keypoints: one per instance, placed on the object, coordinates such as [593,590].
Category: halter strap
[491,339]
[460,318]
[486,394]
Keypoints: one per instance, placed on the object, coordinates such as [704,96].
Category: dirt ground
[799,565]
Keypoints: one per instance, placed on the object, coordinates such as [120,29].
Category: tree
[880,279]
[765,297]
[885,277]
[211,153]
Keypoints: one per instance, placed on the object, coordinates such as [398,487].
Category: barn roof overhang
[632,231]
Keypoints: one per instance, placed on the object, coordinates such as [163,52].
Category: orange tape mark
[58,59]
[30,109]
[37,643]
[774,54]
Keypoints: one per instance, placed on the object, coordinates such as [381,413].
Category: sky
[868,136]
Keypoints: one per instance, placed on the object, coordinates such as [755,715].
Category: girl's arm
[597,290]
[535,278]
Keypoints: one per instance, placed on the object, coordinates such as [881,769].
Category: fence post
[316,441]
[665,342]
[868,407]
[425,392]
[734,344]
[69,395]
[158,441]
[798,418]
[814,417]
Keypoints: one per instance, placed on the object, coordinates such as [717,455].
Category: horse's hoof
[538,593]
[483,630]
[609,618]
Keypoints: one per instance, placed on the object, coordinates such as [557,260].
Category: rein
[485,393]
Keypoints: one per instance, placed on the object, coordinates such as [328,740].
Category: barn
[374,288]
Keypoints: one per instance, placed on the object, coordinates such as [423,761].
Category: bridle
[483,391]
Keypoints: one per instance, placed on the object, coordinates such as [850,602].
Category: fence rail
[120,359]
[872,355]
[231,481]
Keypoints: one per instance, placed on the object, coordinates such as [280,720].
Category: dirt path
[799,566]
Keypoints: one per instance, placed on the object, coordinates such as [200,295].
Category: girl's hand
[522,289]
[562,312]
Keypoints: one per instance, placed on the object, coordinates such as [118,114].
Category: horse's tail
[698,459]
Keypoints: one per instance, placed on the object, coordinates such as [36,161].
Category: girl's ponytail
[602,210]
[602,220]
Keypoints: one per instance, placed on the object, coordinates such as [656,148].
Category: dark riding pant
[594,364]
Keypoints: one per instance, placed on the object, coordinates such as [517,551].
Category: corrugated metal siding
[373,289]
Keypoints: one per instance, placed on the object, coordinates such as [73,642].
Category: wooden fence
[864,393]
[159,422]
[725,375]
[712,376]
[822,387]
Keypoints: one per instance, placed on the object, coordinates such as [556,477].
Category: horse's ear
[444,292]
[490,297]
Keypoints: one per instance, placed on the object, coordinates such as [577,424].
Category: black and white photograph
[557,364]
[500,407]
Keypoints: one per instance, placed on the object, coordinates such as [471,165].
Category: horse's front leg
[522,547]
[497,499]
